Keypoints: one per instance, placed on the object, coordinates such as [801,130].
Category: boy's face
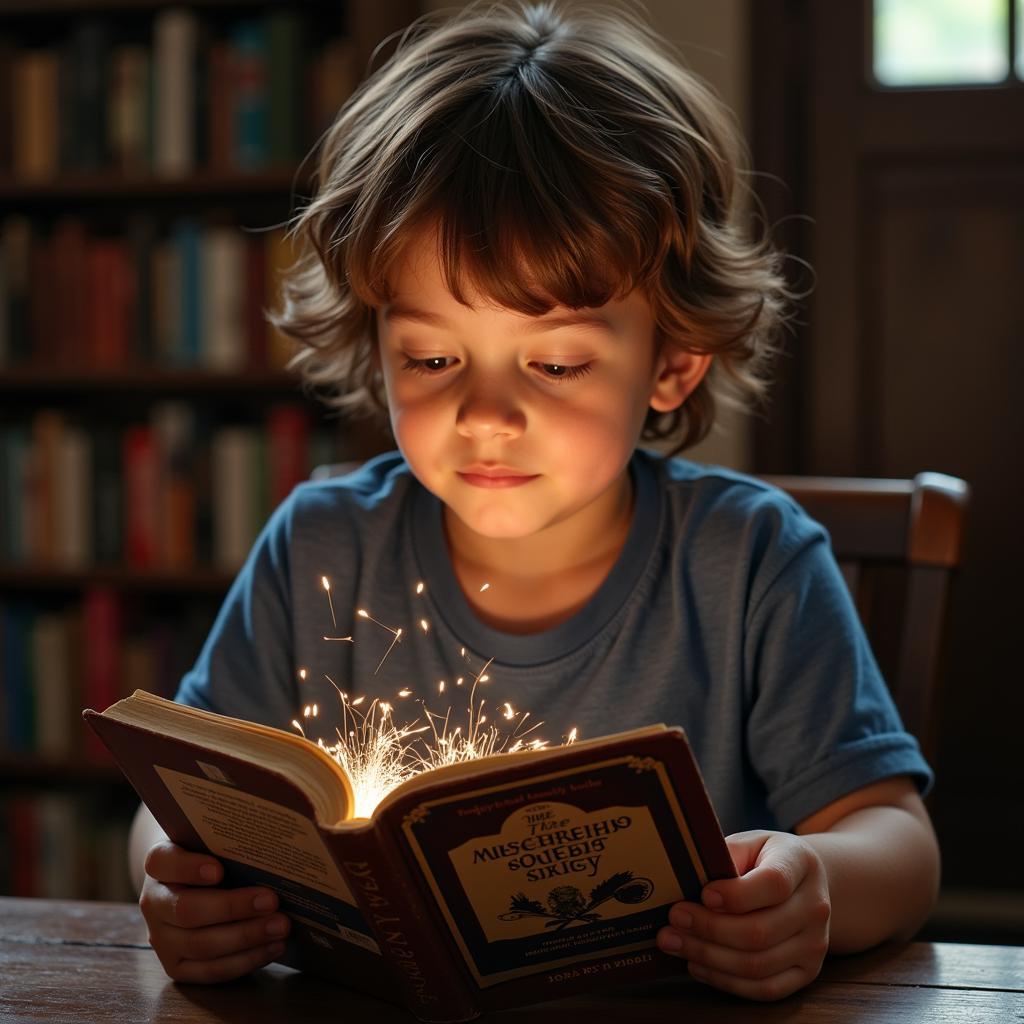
[517,423]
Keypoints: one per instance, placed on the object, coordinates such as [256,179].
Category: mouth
[494,476]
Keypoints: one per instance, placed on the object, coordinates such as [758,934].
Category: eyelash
[570,372]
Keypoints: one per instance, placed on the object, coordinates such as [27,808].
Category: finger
[227,967]
[218,941]
[760,929]
[172,864]
[777,874]
[198,908]
[763,989]
[805,950]
[745,848]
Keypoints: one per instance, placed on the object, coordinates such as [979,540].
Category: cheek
[594,443]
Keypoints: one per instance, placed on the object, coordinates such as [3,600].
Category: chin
[497,524]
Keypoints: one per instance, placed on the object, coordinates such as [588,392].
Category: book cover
[514,879]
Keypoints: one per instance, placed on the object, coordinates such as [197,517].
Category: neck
[537,581]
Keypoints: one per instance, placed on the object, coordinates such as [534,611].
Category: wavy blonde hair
[564,157]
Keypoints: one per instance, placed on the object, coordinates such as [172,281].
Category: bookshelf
[149,154]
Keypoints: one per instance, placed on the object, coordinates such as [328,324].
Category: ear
[678,373]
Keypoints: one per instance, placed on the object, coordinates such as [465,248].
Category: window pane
[1019,47]
[940,42]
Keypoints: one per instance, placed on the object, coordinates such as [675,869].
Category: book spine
[101,634]
[432,982]
[36,74]
[141,497]
[174,33]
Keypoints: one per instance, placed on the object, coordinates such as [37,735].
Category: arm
[882,861]
[862,870]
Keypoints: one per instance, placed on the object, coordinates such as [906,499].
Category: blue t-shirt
[725,613]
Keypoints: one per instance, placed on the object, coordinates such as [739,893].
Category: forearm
[145,833]
[882,864]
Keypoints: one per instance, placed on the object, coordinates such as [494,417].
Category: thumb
[745,849]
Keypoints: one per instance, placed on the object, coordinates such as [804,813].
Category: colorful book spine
[249,41]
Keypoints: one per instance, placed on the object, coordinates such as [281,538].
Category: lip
[494,476]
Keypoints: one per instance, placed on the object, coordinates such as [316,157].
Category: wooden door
[911,353]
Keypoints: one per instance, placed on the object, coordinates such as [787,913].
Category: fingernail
[209,872]
[671,943]
[276,927]
[263,902]
[276,949]
[681,919]
[712,898]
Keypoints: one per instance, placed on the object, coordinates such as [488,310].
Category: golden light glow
[379,754]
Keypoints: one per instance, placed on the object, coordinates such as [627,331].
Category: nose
[488,412]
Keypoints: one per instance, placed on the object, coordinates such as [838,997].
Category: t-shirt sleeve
[822,722]
[245,667]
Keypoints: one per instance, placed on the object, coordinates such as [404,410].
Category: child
[526,244]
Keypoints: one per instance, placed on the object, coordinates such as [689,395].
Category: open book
[475,886]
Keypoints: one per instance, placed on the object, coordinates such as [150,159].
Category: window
[946,42]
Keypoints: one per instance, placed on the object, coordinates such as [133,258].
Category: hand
[202,934]
[765,934]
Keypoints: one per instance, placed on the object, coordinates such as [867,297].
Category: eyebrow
[535,325]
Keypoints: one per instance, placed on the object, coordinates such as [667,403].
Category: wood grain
[66,962]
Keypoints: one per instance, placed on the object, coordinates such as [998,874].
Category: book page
[277,845]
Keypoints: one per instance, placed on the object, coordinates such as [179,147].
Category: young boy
[526,244]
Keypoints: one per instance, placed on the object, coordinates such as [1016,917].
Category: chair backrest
[898,543]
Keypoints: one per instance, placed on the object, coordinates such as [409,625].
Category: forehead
[418,291]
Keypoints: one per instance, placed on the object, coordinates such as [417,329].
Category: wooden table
[88,963]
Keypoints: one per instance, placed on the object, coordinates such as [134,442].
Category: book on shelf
[189,297]
[192,92]
[174,492]
[507,880]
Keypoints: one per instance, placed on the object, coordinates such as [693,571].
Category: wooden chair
[898,543]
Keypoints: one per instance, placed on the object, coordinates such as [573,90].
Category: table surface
[66,962]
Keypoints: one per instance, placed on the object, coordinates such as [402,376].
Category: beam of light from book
[379,753]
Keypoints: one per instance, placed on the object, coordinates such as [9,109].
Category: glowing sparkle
[327,588]
[379,754]
[302,674]
[486,586]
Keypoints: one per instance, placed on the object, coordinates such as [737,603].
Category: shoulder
[342,509]
[374,485]
[735,506]
[730,530]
